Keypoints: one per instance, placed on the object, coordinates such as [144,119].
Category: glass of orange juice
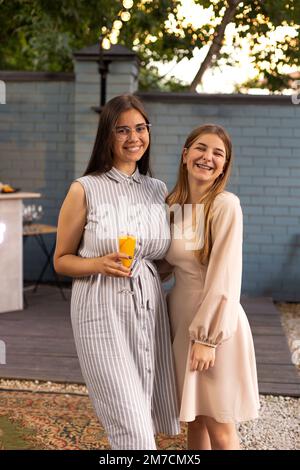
[127,246]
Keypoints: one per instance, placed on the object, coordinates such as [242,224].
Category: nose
[207,155]
[133,135]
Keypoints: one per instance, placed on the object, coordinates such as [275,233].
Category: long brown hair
[102,156]
[180,192]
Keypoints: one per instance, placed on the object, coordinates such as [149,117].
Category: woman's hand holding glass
[111,265]
[118,264]
[202,357]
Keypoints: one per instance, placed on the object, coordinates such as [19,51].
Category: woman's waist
[185,294]
[143,267]
[189,280]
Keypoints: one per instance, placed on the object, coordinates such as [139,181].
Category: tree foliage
[43,34]
[258,22]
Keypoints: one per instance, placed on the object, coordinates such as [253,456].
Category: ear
[184,154]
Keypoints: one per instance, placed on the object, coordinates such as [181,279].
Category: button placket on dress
[142,313]
[144,310]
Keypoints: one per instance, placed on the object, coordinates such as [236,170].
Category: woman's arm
[165,269]
[216,319]
[71,223]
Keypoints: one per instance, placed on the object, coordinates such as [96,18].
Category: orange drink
[127,246]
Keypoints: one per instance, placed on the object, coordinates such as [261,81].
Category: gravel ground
[290,319]
[278,427]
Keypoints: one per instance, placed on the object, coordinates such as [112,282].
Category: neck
[127,168]
[197,190]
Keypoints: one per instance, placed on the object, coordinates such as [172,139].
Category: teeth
[133,149]
[200,165]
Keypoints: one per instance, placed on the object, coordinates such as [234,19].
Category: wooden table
[30,230]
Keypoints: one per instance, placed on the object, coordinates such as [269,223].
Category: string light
[106,43]
[111,37]
[125,16]
[127,3]
[117,24]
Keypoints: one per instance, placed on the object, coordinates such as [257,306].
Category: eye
[122,130]
[141,128]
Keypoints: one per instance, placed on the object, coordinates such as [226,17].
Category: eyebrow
[215,148]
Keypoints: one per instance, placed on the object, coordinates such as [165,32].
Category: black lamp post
[103,70]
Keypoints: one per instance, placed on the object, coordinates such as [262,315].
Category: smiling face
[205,159]
[129,149]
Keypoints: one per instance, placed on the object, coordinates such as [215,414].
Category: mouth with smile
[203,166]
[133,149]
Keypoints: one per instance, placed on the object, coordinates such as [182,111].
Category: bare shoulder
[74,208]
[76,195]
[75,200]
[71,221]
[76,189]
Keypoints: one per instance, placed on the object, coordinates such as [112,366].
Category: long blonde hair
[180,192]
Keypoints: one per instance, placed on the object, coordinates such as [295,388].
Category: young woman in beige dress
[212,341]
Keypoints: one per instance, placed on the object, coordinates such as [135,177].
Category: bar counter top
[19,195]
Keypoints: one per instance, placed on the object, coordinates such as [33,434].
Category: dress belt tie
[135,272]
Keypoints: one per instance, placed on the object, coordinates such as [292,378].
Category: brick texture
[47,131]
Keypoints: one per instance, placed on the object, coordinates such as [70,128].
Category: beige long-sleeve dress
[204,305]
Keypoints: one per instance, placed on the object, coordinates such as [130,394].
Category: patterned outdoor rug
[53,421]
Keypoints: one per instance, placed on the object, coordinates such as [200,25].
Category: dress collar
[121,177]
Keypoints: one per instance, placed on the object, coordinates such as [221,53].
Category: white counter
[11,250]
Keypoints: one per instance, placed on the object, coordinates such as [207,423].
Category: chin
[135,156]
[135,159]
[201,178]
[138,157]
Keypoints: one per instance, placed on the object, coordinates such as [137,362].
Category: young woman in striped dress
[119,315]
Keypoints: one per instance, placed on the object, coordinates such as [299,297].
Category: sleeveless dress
[120,325]
[204,305]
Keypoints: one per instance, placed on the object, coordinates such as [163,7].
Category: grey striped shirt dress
[120,325]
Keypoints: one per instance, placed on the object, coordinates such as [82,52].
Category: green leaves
[42,35]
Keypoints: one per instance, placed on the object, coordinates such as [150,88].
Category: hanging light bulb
[113,37]
[125,16]
[117,24]
[127,3]
[106,43]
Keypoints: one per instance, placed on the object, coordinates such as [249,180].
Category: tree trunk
[216,45]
